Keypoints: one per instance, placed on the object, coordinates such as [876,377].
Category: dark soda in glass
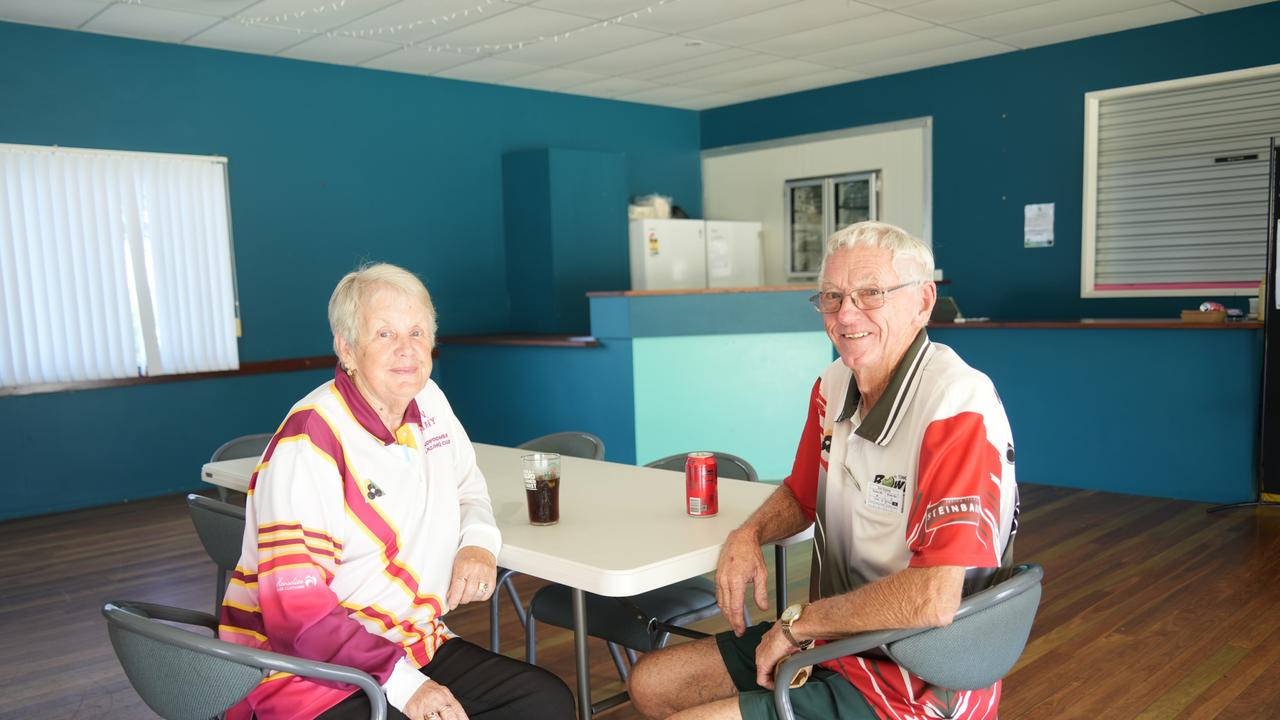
[544,500]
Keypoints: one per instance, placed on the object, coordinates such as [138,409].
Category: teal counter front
[1142,407]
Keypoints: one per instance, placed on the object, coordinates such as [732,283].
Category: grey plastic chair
[221,529]
[240,447]
[185,675]
[983,641]
[573,444]
[643,622]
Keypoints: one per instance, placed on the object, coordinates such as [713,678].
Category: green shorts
[826,695]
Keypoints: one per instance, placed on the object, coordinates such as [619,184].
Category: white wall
[746,182]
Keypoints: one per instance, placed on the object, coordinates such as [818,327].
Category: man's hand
[741,562]
[475,571]
[433,701]
[774,647]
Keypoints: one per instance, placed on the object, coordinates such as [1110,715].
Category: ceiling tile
[553,79]
[66,14]
[309,14]
[591,41]
[931,58]
[338,49]
[663,95]
[765,73]
[1045,15]
[949,11]
[488,70]
[785,20]
[214,8]
[689,77]
[148,23]
[523,24]
[416,20]
[232,35]
[840,35]
[709,100]
[693,63]
[663,51]
[870,51]
[1114,22]
[419,61]
[801,83]
[610,87]
[597,9]
[681,17]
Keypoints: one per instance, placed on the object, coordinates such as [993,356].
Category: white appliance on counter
[692,254]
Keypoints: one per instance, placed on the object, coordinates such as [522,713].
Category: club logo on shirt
[296,583]
[897,482]
[373,492]
[965,510]
[438,441]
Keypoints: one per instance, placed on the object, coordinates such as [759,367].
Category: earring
[351,372]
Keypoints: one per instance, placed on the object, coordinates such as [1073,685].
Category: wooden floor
[1152,609]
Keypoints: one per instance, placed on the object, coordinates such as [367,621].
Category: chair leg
[530,640]
[616,653]
[632,656]
[516,602]
[494,640]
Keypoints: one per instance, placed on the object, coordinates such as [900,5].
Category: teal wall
[329,166]
[1009,130]
[1168,412]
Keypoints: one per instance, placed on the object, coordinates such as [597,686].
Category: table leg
[780,577]
[580,653]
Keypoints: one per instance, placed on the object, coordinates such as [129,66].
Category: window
[1175,198]
[113,265]
[817,207]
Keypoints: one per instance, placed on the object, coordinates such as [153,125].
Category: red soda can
[700,484]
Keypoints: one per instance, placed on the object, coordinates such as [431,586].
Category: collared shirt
[351,533]
[924,479]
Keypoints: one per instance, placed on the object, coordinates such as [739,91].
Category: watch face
[791,613]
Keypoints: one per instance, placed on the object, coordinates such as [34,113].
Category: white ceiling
[692,54]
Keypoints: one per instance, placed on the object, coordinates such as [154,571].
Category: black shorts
[826,695]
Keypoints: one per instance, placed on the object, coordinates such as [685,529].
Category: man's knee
[646,685]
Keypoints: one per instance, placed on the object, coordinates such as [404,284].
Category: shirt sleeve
[956,521]
[810,455]
[299,508]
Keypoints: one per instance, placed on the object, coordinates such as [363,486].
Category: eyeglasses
[867,298]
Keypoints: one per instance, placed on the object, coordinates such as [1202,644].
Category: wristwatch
[789,616]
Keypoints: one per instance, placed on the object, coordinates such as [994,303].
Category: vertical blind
[1180,188]
[113,265]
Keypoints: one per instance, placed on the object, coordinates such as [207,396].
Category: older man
[906,465]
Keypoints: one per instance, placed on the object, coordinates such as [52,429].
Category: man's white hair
[911,258]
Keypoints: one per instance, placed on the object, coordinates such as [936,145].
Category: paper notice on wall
[1037,225]
[719,259]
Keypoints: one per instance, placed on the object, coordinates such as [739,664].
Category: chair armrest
[237,653]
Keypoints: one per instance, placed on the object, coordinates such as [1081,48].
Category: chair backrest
[242,447]
[983,641]
[183,675]
[220,527]
[572,443]
[727,466]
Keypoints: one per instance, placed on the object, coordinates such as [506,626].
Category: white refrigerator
[692,254]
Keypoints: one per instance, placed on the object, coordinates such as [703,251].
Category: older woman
[367,521]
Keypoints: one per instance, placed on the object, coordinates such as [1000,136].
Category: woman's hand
[433,701]
[474,572]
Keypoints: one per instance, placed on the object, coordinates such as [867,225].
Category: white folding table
[622,531]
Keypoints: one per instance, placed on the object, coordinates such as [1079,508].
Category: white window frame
[1092,104]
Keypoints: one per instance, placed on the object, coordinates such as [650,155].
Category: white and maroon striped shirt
[351,533]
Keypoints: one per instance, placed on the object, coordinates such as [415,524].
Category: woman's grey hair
[912,259]
[355,288]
